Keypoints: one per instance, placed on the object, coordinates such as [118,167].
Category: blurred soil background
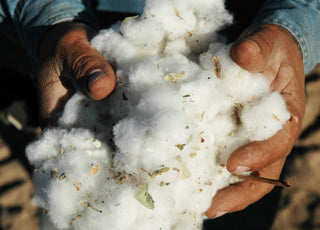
[294,208]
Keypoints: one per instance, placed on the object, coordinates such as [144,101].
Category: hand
[271,50]
[68,62]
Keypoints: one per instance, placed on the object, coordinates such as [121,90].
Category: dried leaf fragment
[89,205]
[144,197]
[231,134]
[190,139]
[275,117]
[236,115]
[83,202]
[129,18]
[180,146]
[94,170]
[179,158]
[53,172]
[202,115]
[177,13]
[185,171]
[159,172]
[62,176]
[93,208]
[217,66]
[174,77]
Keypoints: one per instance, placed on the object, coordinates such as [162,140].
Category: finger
[87,69]
[238,196]
[257,155]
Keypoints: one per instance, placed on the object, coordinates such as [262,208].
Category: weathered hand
[271,50]
[68,62]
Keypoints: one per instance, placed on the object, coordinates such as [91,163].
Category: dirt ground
[294,208]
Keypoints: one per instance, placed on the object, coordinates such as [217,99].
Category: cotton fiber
[152,154]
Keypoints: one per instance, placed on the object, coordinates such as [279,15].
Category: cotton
[152,154]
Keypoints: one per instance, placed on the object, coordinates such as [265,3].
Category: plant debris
[53,172]
[174,77]
[94,170]
[159,172]
[217,66]
[62,176]
[129,18]
[144,197]
[180,146]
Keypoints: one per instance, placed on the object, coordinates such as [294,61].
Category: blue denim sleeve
[27,20]
[126,6]
[302,19]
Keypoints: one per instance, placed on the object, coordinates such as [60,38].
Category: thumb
[253,51]
[85,67]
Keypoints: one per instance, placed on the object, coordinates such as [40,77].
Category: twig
[264,180]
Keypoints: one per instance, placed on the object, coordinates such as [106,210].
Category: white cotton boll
[108,207]
[72,110]
[265,117]
[80,111]
[198,96]
[147,34]
[207,23]
[169,15]
[63,202]
[245,87]
[150,145]
[186,68]
[128,142]
[222,127]
[146,73]
[177,46]
[210,21]
[45,148]
[45,222]
[152,71]
[157,101]
[77,155]
[116,49]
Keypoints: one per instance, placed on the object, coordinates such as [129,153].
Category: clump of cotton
[152,155]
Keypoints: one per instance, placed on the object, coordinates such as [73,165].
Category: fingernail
[220,213]
[94,77]
[241,169]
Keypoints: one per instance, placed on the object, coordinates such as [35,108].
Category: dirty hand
[68,62]
[271,50]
